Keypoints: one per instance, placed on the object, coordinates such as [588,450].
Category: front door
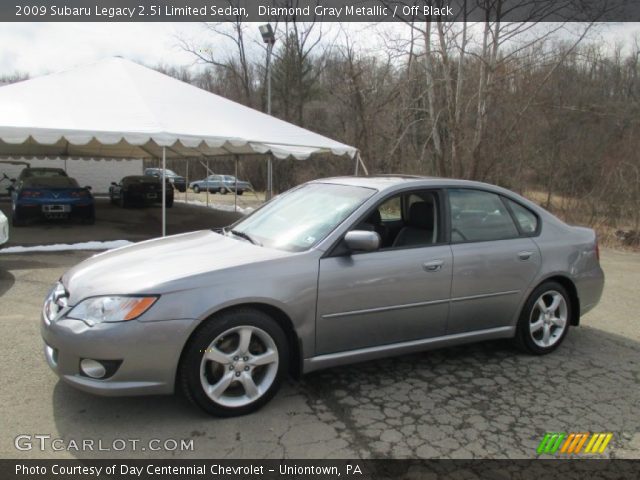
[395,294]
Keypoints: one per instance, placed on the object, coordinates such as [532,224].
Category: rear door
[494,261]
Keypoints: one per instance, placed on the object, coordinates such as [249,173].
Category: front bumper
[149,353]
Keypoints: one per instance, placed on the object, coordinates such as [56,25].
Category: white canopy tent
[116,108]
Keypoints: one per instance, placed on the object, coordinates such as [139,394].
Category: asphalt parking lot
[477,401]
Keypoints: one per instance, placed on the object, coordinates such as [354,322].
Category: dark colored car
[50,197]
[140,190]
[220,184]
[178,182]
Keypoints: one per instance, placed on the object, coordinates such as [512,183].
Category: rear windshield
[50,182]
[140,179]
[44,172]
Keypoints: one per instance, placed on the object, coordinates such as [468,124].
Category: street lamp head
[267,34]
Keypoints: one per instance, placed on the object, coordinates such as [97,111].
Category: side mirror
[88,187]
[114,184]
[362,241]
[13,180]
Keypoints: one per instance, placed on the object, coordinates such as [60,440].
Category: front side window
[478,216]
[527,220]
[417,227]
[297,220]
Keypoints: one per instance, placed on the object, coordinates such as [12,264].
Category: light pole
[269,38]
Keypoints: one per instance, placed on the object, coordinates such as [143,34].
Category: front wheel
[544,321]
[235,362]
[196,189]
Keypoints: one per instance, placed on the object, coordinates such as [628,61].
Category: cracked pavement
[484,400]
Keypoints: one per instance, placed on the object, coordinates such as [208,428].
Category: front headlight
[111,309]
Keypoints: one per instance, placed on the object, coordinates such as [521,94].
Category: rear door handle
[524,255]
[433,265]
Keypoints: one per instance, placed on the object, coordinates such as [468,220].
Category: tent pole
[207,183]
[164,192]
[269,177]
[186,190]
[357,164]
[235,197]
[361,162]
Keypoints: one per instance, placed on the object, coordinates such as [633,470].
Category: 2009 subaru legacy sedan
[331,272]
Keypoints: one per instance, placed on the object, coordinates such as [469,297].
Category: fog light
[92,368]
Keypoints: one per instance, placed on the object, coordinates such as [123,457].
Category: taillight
[30,194]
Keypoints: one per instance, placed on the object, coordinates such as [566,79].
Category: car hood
[153,265]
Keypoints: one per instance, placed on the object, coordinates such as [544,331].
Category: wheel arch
[571,289]
[279,316]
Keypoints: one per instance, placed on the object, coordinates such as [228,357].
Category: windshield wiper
[244,235]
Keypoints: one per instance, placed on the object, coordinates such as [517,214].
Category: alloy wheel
[239,366]
[548,319]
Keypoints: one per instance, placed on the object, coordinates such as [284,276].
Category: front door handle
[433,265]
[524,255]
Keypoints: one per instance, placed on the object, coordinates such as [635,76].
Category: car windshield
[297,220]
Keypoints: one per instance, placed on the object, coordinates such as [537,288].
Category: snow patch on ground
[61,247]
[219,206]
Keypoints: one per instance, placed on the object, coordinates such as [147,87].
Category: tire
[534,323]
[122,201]
[240,192]
[196,189]
[220,338]
[223,190]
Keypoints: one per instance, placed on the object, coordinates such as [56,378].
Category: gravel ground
[477,401]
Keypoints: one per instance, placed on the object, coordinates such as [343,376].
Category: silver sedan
[334,271]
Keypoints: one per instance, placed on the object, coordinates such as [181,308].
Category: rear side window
[478,216]
[527,220]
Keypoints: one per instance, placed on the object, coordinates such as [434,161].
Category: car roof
[384,182]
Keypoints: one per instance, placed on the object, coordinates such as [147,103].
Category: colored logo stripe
[574,443]
[551,442]
[598,442]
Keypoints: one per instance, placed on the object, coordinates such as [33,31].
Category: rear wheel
[544,321]
[196,189]
[235,363]
[223,190]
